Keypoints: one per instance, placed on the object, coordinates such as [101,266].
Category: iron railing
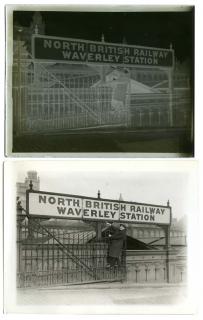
[49,256]
[47,101]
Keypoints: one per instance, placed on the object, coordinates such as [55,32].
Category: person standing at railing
[117,238]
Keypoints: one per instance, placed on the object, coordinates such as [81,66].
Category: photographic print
[100,81]
[83,234]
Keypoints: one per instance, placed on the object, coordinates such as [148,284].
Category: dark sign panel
[53,205]
[83,51]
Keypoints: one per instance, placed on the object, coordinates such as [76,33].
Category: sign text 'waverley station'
[85,208]
[84,51]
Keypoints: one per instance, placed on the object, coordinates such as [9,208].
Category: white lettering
[66,55]
[47,44]
[57,44]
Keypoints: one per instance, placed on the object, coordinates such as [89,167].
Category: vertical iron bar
[59,271]
[78,255]
[167,235]
[48,260]
[53,256]
[41,251]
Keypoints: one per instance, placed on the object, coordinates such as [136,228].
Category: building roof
[115,78]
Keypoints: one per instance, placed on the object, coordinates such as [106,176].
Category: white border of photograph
[11,174]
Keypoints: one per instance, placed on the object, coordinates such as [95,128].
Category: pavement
[105,294]
[153,141]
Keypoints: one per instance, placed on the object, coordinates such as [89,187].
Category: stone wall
[150,266]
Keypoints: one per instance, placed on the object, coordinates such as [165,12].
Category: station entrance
[55,90]
[63,239]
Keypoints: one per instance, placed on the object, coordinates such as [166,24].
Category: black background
[155,29]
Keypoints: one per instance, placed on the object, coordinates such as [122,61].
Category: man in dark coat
[117,240]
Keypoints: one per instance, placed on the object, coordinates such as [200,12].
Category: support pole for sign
[167,247]
[102,67]
[170,89]
[30,231]
[35,64]
[98,224]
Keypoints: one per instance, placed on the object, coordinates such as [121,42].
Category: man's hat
[116,225]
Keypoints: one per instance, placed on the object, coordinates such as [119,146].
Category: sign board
[53,205]
[93,52]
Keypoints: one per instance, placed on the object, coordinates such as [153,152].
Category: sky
[155,29]
[153,182]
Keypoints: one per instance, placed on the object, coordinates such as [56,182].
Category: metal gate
[55,255]
[44,101]
[51,97]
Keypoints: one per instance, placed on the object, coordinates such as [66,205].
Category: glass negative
[115,82]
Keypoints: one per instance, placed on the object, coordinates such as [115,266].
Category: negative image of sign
[85,51]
